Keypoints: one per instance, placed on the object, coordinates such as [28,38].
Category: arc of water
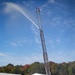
[12,5]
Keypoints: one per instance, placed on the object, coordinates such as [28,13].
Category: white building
[8,74]
[38,74]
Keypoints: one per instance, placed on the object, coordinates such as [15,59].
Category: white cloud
[37,39]
[21,60]
[8,9]
[30,3]
[19,42]
[13,43]
[51,1]
[49,12]
[62,56]
[2,54]
[57,40]
[57,56]
[52,43]
[47,3]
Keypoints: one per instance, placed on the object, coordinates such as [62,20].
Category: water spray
[18,8]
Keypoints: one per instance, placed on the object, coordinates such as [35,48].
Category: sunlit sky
[20,39]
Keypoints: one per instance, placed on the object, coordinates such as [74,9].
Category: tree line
[37,67]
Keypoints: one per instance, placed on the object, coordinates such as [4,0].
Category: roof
[38,74]
[8,74]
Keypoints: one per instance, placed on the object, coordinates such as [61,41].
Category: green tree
[71,68]
[63,69]
[16,70]
[9,68]
[54,69]
[37,67]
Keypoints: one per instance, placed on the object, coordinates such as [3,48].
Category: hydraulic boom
[45,56]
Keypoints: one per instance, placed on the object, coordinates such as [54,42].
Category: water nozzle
[38,10]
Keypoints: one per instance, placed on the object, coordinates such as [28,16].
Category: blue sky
[20,39]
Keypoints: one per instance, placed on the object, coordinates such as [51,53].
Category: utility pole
[45,56]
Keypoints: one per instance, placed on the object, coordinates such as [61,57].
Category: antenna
[45,56]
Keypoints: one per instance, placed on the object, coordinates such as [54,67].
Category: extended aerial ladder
[45,56]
